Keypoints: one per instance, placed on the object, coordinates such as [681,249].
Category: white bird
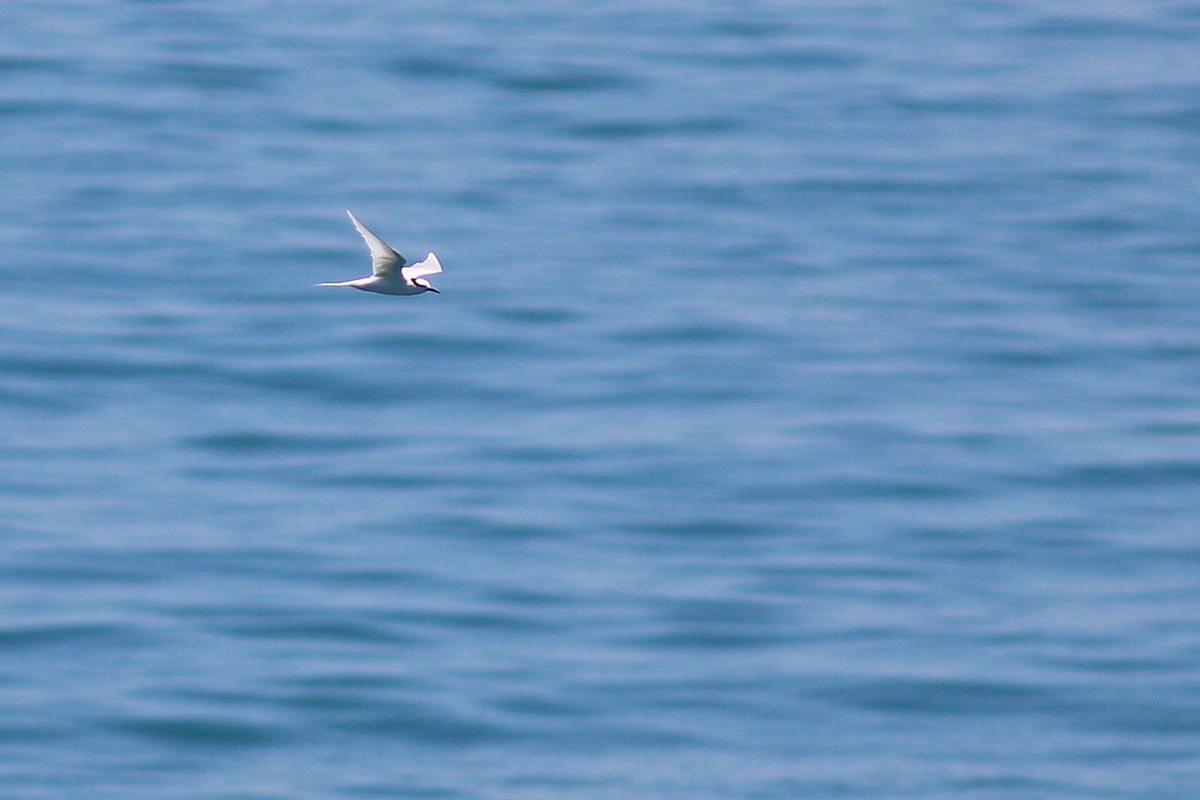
[390,274]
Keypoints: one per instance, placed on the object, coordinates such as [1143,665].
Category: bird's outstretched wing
[384,260]
[430,266]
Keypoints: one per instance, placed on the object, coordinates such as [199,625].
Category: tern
[390,273]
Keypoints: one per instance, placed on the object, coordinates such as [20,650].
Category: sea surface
[811,409]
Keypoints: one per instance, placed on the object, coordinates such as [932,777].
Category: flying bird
[390,273]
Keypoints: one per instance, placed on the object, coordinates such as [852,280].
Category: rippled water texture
[810,410]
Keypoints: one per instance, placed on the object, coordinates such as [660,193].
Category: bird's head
[425,284]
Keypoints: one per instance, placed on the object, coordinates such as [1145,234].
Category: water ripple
[225,733]
[959,697]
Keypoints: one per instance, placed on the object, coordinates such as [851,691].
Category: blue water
[811,409]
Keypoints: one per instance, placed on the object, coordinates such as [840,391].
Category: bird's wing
[384,260]
[430,266]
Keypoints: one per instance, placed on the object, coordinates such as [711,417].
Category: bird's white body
[383,284]
[390,274]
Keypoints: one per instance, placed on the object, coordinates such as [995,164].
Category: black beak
[431,289]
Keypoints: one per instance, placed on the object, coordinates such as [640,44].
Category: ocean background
[811,409]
